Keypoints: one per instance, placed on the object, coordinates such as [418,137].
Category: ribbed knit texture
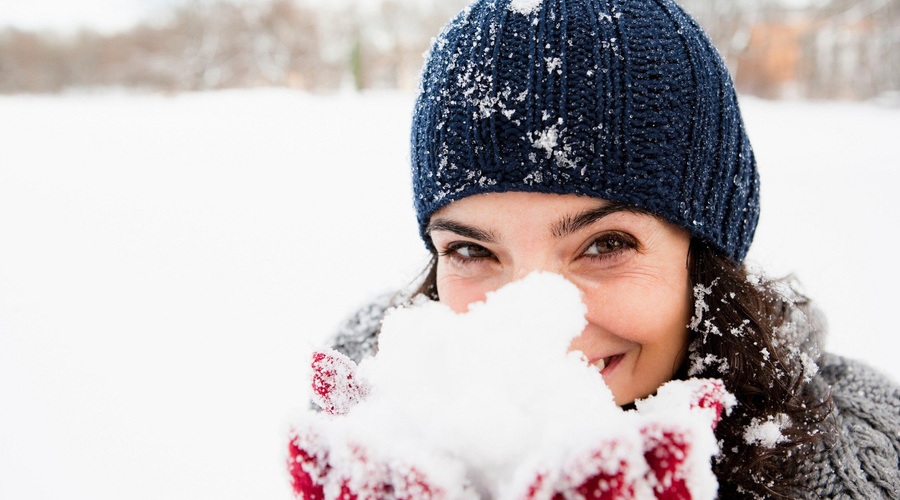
[864,459]
[625,100]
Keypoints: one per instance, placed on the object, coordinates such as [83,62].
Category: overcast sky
[106,15]
[66,15]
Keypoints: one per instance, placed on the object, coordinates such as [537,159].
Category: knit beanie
[625,100]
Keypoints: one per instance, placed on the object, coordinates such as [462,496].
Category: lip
[611,362]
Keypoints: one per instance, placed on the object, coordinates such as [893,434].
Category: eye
[464,252]
[610,245]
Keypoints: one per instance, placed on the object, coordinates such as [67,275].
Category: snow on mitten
[608,470]
[308,464]
[329,460]
[326,463]
[319,470]
[677,427]
[336,388]
[355,474]
[667,448]
[471,411]
[662,450]
[710,395]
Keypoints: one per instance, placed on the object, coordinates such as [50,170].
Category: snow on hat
[625,100]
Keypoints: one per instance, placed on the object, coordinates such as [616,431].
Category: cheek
[649,313]
[458,292]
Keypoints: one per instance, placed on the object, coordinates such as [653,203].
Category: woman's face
[630,266]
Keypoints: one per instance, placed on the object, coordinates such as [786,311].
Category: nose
[524,268]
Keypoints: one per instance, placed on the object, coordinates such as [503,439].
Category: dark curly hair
[759,336]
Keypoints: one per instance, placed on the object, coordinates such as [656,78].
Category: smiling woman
[602,141]
[631,267]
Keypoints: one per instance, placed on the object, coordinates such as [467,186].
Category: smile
[607,364]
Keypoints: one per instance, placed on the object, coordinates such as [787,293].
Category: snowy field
[165,263]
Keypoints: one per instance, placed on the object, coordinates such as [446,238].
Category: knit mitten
[661,451]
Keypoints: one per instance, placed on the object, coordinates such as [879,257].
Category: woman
[602,140]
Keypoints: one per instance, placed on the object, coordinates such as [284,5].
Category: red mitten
[469,410]
[662,450]
[339,469]
[677,440]
[336,388]
[666,450]
[324,460]
[710,395]
[608,471]
[667,458]
[308,464]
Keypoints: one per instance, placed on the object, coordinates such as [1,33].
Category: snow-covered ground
[165,262]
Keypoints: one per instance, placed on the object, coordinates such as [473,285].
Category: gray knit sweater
[862,463]
[865,459]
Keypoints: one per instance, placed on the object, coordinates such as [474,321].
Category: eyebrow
[564,227]
[460,229]
[570,224]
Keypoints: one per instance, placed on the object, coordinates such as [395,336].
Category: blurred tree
[32,62]
[286,46]
[831,48]
[852,52]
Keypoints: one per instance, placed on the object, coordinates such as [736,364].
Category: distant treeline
[836,49]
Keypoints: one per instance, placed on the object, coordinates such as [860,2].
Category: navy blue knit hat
[625,100]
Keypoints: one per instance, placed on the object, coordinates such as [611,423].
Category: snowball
[492,404]
[491,384]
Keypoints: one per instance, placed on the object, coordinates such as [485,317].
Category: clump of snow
[754,278]
[699,363]
[491,403]
[700,305]
[767,432]
[810,367]
[525,7]
[500,359]
[547,139]
[550,141]
[553,64]
[701,308]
